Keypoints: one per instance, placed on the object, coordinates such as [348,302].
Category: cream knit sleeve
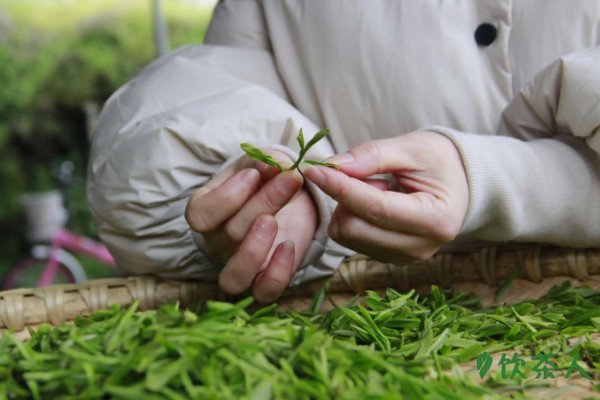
[538,180]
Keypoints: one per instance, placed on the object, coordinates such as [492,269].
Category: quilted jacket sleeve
[176,124]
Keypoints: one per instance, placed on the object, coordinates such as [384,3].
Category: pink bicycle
[50,261]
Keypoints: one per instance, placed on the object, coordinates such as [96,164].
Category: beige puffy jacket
[515,85]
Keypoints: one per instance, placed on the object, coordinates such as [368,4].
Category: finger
[414,213]
[351,231]
[297,221]
[242,267]
[378,157]
[207,210]
[272,282]
[275,194]
[380,184]
[220,246]
[268,171]
[221,177]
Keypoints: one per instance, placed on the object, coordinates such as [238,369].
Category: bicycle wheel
[28,272]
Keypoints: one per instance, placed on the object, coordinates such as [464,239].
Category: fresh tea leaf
[300,139]
[304,149]
[397,345]
[323,164]
[257,154]
[318,136]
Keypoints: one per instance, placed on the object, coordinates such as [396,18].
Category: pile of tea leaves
[401,345]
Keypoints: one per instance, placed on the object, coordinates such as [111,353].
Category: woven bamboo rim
[58,304]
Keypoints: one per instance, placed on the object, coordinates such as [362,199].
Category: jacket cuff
[481,169]
[542,191]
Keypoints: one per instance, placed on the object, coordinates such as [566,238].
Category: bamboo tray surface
[480,272]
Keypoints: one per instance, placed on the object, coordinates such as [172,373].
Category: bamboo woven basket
[479,272]
[537,269]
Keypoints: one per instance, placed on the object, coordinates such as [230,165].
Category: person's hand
[256,221]
[411,217]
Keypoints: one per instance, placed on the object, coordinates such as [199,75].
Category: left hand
[411,217]
[256,221]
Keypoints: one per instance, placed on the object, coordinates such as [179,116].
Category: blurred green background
[57,59]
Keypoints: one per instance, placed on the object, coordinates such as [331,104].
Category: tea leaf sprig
[254,153]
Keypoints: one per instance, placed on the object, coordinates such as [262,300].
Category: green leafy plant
[42,119]
[255,153]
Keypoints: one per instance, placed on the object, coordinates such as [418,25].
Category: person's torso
[374,69]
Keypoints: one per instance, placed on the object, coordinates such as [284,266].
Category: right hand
[411,217]
[256,220]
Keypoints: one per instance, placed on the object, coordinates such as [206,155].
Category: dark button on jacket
[485,34]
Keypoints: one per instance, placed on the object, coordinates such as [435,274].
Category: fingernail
[249,177]
[286,251]
[344,158]
[265,228]
[288,184]
[303,167]
[314,174]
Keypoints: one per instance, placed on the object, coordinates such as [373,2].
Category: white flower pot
[45,214]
